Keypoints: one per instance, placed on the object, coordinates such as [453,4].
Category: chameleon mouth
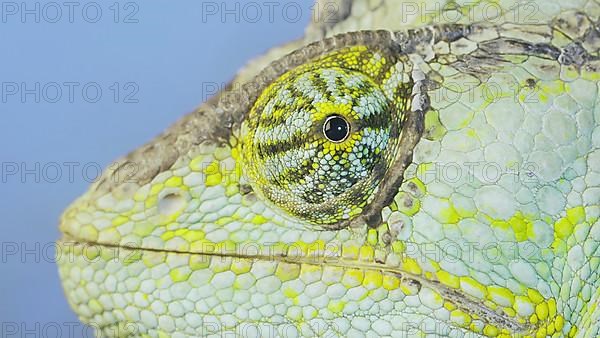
[470,305]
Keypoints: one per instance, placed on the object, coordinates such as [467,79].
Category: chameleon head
[319,140]
[326,135]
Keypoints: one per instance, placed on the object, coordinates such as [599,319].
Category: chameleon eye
[319,140]
[336,128]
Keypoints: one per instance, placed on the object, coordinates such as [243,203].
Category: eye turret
[320,138]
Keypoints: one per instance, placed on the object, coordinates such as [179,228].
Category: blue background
[170,55]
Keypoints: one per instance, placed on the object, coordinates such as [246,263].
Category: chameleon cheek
[319,140]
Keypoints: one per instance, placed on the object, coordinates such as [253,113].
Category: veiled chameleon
[420,169]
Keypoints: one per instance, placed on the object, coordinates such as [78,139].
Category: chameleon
[406,169]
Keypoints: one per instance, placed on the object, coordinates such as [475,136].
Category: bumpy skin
[487,227]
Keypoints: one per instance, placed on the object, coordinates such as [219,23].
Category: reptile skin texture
[407,169]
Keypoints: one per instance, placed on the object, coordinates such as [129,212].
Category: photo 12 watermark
[52,12]
[493,252]
[527,92]
[217,328]
[66,172]
[433,12]
[485,172]
[130,252]
[268,11]
[13,329]
[69,92]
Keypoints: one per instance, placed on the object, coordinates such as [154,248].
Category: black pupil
[336,128]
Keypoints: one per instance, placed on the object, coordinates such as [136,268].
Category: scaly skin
[483,222]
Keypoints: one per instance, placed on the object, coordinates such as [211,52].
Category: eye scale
[336,128]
